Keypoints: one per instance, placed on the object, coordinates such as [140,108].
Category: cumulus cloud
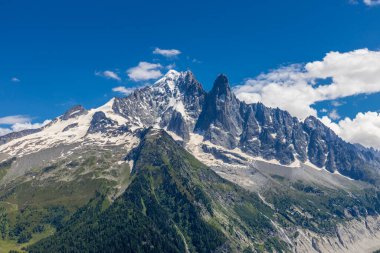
[28,125]
[334,115]
[363,129]
[171,66]
[145,71]
[4,131]
[366,2]
[15,119]
[285,87]
[296,88]
[123,90]
[166,52]
[109,75]
[15,79]
[336,103]
[371,2]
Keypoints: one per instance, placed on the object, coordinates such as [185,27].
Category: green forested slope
[173,204]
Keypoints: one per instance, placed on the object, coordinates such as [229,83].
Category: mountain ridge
[178,103]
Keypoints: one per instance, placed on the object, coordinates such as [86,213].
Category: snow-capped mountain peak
[170,75]
[178,104]
[171,82]
[172,103]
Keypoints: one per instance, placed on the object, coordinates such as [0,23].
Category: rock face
[354,236]
[75,111]
[100,123]
[327,150]
[173,102]
[220,120]
[275,134]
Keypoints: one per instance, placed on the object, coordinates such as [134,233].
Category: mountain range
[173,168]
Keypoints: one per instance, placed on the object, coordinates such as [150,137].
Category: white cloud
[145,71]
[15,119]
[372,2]
[363,129]
[166,52]
[109,75]
[19,123]
[171,66]
[28,125]
[4,131]
[294,88]
[123,90]
[336,103]
[334,115]
[286,88]
[15,79]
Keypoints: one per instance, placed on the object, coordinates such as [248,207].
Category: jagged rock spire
[220,117]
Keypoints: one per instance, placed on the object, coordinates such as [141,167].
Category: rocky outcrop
[100,123]
[351,237]
[73,112]
[220,120]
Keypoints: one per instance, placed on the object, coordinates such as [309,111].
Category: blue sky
[53,54]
